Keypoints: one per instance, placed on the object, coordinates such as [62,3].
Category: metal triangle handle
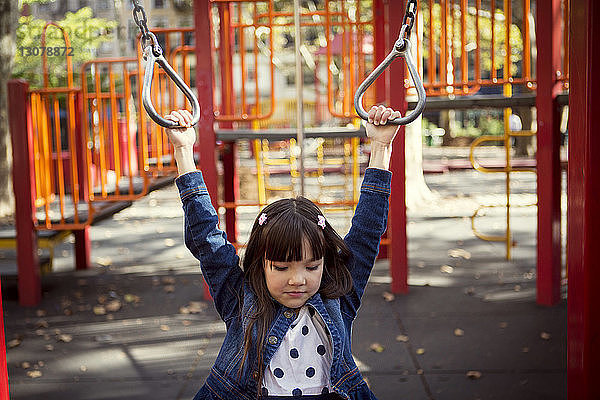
[397,51]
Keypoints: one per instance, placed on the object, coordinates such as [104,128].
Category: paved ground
[135,326]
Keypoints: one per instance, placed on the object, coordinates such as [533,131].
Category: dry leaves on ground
[376,347]
[34,374]
[459,253]
[64,338]
[459,332]
[387,296]
[473,374]
[545,335]
[446,269]
[402,338]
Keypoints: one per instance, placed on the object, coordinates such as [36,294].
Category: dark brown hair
[290,225]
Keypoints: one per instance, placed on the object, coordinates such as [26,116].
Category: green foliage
[485,35]
[85,32]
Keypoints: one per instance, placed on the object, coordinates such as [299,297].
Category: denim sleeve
[218,259]
[368,224]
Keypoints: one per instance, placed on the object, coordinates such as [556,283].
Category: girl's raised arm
[370,218]
[218,259]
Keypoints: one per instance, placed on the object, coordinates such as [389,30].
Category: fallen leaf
[110,317]
[196,307]
[113,306]
[68,312]
[41,324]
[104,261]
[41,363]
[164,328]
[40,332]
[200,352]
[102,299]
[470,290]
[14,343]
[402,338]
[186,322]
[473,374]
[525,349]
[34,374]
[421,264]
[64,338]
[387,296]
[131,298]
[169,289]
[25,365]
[99,310]
[517,288]
[57,332]
[169,242]
[459,253]
[40,313]
[503,325]
[49,347]
[446,269]
[377,348]
[419,371]
[545,335]
[168,280]
[83,368]
[459,332]
[420,351]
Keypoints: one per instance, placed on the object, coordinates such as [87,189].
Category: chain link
[409,18]
[140,18]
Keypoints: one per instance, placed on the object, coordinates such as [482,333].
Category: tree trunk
[8,24]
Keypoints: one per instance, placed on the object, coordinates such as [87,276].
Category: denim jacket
[235,301]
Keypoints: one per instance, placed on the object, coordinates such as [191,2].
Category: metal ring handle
[412,69]
[159,59]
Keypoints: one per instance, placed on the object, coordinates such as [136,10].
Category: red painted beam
[549,260]
[19,111]
[583,215]
[397,218]
[206,143]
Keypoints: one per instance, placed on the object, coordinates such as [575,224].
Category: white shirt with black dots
[301,364]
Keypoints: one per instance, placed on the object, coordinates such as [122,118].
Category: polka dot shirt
[301,364]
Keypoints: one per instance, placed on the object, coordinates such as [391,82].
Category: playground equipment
[153,54]
[401,49]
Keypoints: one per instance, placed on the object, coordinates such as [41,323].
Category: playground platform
[135,326]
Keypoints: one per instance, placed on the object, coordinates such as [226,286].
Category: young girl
[289,310]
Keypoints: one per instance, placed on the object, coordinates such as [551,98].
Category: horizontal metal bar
[286,133]
[484,101]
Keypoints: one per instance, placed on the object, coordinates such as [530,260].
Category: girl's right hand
[181,137]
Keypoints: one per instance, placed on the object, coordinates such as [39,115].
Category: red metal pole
[204,85]
[82,236]
[4,392]
[583,215]
[549,39]
[397,219]
[19,111]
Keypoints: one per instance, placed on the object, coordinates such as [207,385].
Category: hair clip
[321,221]
[262,219]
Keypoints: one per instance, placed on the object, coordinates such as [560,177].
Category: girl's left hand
[377,128]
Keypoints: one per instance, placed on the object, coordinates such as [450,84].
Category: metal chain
[409,18]
[141,19]
[407,23]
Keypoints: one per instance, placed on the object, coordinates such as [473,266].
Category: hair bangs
[292,237]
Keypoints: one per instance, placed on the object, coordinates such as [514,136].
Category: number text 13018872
[28,51]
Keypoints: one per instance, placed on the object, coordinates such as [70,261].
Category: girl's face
[292,283]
